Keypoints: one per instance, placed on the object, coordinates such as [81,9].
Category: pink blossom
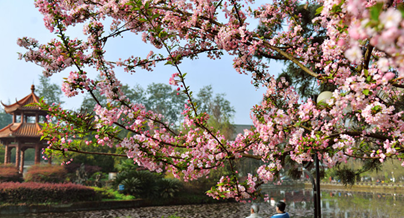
[390,18]
[354,54]
[383,64]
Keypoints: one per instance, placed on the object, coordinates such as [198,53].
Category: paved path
[221,210]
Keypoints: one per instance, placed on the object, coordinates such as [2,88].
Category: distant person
[254,211]
[280,210]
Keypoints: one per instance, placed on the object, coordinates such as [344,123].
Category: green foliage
[295,173]
[159,97]
[137,95]
[196,189]
[50,92]
[347,175]
[107,193]
[145,184]
[217,106]
[219,109]
[107,163]
[139,183]
[168,188]
[46,174]
[5,118]
[163,99]
[304,84]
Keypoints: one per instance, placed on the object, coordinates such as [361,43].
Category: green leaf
[400,7]
[319,10]
[375,11]
[336,8]
[366,92]
[366,72]
[163,34]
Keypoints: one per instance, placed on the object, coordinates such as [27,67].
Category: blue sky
[20,18]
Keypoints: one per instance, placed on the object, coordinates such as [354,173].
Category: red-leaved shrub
[33,192]
[9,173]
[45,173]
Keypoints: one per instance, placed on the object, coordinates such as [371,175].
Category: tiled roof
[21,129]
[19,105]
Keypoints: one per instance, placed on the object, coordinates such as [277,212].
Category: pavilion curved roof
[21,129]
[21,104]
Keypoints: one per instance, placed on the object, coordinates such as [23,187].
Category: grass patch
[110,194]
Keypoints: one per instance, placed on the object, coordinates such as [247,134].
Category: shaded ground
[233,210]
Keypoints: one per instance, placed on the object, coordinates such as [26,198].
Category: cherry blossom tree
[362,55]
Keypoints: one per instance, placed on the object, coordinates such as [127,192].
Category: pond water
[341,203]
[338,204]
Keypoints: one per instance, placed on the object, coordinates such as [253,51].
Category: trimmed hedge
[9,173]
[32,192]
[45,173]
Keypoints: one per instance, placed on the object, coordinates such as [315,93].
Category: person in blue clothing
[280,211]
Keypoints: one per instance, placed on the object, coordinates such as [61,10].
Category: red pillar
[17,156]
[37,154]
[6,154]
[9,154]
[21,169]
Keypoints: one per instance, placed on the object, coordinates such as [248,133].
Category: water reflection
[341,203]
[334,204]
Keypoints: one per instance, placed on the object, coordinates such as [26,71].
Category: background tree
[163,99]
[157,97]
[305,84]
[51,92]
[5,118]
[220,110]
[136,94]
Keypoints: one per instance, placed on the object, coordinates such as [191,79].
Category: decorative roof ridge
[18,127]
[16,101]
[6,127]
[23,101]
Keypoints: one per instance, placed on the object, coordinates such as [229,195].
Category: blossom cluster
[356,46]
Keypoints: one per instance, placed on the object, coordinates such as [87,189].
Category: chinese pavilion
[24,131]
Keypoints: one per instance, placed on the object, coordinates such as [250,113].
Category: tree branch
[372,135]
[90,152]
